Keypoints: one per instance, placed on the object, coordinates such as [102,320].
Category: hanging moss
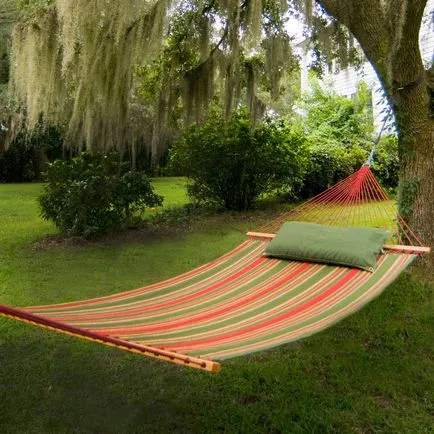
[254,19]
[278,57]
[35,62]
[82,53]
[75,62]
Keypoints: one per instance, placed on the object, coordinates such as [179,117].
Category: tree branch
[212,52]
[384,33]
[220,42]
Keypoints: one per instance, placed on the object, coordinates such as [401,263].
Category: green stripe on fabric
[247,314]
[228,309]
[361,290]
[262,344]
[213,302]
[196,278]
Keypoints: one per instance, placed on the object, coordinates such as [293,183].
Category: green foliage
[331,42]
[33,6]
[90,195]
[180,54]
[231,163]
[23,160]
[386,164]
[330,163]
[177,216]
[340,133]
[333,119]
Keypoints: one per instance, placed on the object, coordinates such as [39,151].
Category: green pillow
[309,242]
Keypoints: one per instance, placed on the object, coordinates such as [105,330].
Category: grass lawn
[373,372]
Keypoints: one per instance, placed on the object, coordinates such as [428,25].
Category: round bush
[89,195]
[330,163]
[231,163]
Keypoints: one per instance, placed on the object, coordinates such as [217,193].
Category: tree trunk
[388,32]
[416,145]
[410,96]
[40,163]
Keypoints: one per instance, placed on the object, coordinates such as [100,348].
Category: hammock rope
[243,301]
[358,200]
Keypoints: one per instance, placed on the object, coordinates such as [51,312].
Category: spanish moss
[118,75]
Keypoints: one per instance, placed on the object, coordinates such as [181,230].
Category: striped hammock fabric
[244,302]
[238,304]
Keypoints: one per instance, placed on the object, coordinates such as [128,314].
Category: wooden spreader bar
[413,250]
[169,356]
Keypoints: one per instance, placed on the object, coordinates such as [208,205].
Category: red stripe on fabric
[282,317]
[172,302]
[320,307]
[219,294]
[138,291]
[205,317]
[187,287]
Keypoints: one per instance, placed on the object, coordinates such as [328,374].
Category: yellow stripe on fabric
[365,297]
[244,259]
[285,290]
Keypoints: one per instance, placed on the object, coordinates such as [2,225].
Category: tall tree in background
[84,53]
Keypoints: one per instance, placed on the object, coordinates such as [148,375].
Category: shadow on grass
[371,372]
[166,224]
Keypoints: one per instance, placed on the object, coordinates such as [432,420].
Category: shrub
[386,163]
[89,195]
[16,163]
[339,132]
[28,154]
[335,119]
[328,164]
[231,163]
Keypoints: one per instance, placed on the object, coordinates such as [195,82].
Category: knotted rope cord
[358,200]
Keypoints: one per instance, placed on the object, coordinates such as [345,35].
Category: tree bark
[388,32]
[416,141]
[40,162]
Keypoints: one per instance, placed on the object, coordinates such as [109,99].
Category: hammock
[244,302]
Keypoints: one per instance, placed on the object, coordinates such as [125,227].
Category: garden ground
[373,372]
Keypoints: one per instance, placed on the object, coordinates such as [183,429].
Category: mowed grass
[373,372]
[172,189]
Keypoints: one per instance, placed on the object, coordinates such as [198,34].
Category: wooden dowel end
[413,250]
